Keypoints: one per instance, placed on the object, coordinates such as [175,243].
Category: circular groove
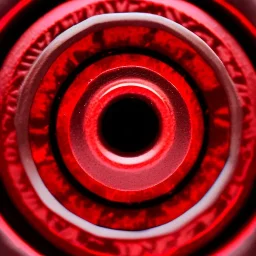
[54,144]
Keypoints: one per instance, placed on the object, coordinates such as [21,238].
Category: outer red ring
[202,181]
[137,88]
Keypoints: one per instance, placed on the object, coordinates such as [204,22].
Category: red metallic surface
[198,186]
[55,184]
[122,171]
[173,209]
[61,232]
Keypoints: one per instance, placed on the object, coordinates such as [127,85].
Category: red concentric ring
[137,166]
[200,215]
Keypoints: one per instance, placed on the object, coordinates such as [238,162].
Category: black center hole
[129,125]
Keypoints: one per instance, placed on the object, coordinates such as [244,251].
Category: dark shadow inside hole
[129,126]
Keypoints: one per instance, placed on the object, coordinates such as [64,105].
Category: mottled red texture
[70,237]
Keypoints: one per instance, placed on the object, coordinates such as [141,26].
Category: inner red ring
[126,179]
[112,92]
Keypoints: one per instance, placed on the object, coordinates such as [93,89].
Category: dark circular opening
[129,125]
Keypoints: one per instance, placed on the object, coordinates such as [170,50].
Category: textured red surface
[218,142]
[125,168]
[70,237]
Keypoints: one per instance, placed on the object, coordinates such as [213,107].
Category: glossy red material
[197,187]
[160,159]
[55,184]
[72,238]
